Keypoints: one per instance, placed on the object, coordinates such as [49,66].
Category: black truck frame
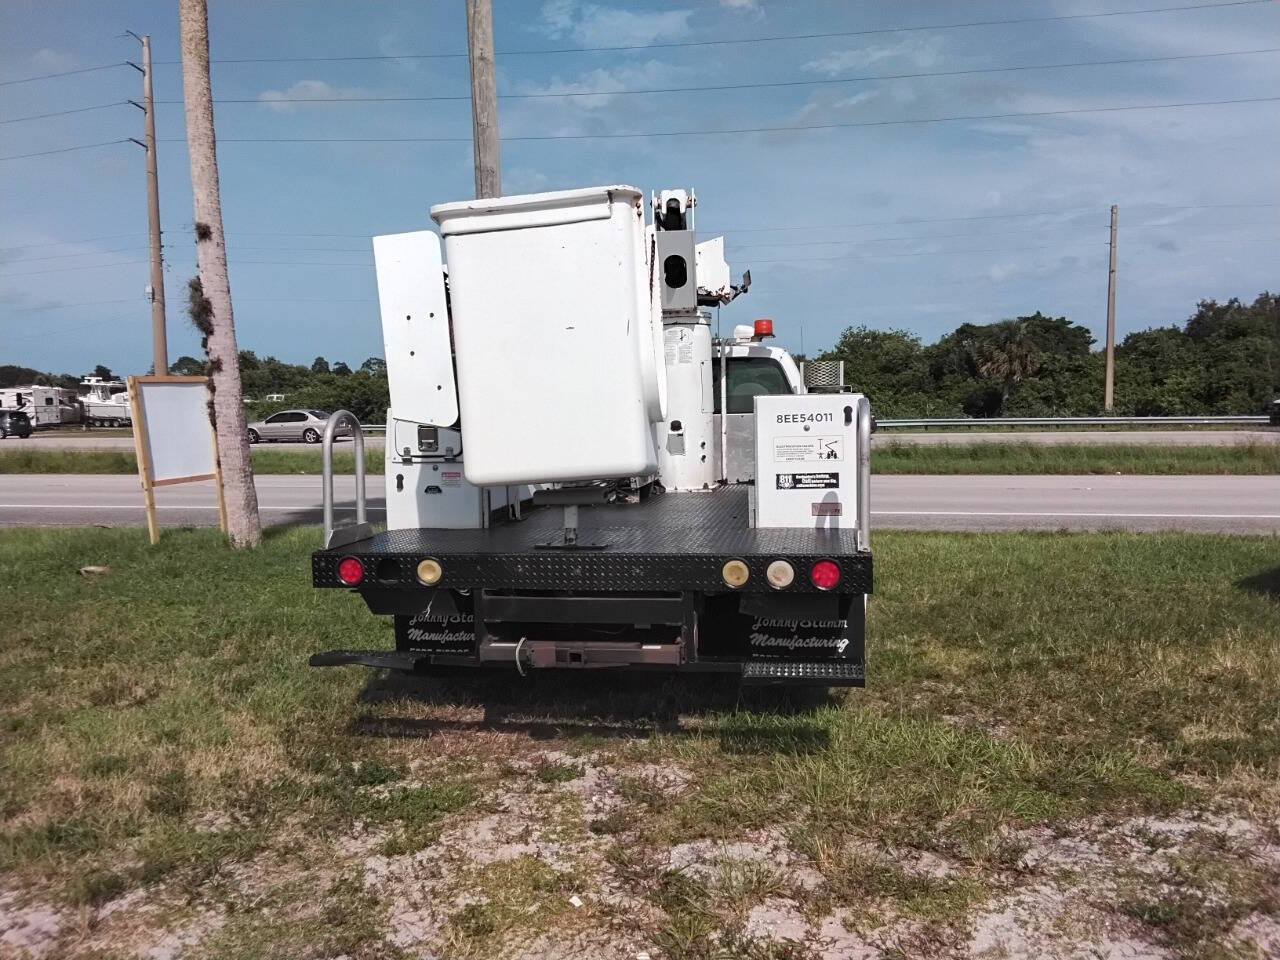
[667,581]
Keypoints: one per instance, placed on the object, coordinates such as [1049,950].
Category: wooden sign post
[174,438]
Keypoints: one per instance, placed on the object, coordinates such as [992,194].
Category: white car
[304,425]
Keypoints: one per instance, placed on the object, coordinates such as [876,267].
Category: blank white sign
[179,436]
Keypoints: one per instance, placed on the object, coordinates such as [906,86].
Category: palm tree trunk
[243,524]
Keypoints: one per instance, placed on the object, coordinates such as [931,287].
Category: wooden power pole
[159,338]
[484,98]
[243,524]
[1109,392]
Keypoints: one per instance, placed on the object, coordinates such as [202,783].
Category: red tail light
[350,571]
[825,574]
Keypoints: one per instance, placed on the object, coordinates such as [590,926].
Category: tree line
[1224,359]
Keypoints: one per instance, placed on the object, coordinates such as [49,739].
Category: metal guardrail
[991,422]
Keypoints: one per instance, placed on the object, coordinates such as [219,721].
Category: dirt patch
[777,919]
[530,869]
[30,929]
[175,942]
[1046,921]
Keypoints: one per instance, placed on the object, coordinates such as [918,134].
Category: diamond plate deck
[671,541]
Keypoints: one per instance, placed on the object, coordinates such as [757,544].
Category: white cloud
[648,75]
[391,44]
[1000,272]
[748,8]
[827,107]
[916,51]
[50,59]
[594,25]
[280,100]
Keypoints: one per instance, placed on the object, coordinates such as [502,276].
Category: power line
[141,300]
[60,243]
[958,236]
[341,236]
[721,87]
[46,153]
[926,253]
[79,267]
[86,303]
[64,73]
[65,256]
[789,128]
[72,329]
[990,216]
[736,251]
[1062,211]
[233,261]
[747,40]
[823,243]
[170,247]
[65,113]
[668,90]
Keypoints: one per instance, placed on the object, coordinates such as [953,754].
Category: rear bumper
[583,570]
[644,588]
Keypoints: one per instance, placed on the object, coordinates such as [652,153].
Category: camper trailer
[44,406]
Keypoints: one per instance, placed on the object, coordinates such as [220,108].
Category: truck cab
[754,369]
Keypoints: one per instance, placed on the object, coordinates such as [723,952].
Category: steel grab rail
[335,536]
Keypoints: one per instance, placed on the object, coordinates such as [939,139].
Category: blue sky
[821,217]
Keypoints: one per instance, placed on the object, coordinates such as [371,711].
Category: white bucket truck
[579,475]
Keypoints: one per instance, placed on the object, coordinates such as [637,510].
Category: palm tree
[243,525]
[1006,353]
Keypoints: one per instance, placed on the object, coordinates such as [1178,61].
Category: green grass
[988,426]
[887,457]
[1034,458]
[1014,680]
[265,460]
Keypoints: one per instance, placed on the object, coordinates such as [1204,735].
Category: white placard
[177,437]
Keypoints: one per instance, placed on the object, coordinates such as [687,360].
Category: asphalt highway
[1224,504]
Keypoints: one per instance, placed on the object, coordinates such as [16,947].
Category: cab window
[749,377]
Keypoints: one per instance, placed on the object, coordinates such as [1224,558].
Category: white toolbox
[558,354]
[810,469]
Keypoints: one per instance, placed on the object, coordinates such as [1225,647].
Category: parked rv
[44,406]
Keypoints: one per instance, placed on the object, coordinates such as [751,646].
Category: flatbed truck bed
[644,586]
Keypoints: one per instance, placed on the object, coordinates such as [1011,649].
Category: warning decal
[807,449]
[808,481]
[451,478]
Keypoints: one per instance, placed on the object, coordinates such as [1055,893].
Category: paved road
[1206,504]
[1168,438]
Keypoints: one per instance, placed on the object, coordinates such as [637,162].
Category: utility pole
[159,338]
[1108,400]
[484,98]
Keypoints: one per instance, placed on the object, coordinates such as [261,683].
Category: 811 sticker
[808,481]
